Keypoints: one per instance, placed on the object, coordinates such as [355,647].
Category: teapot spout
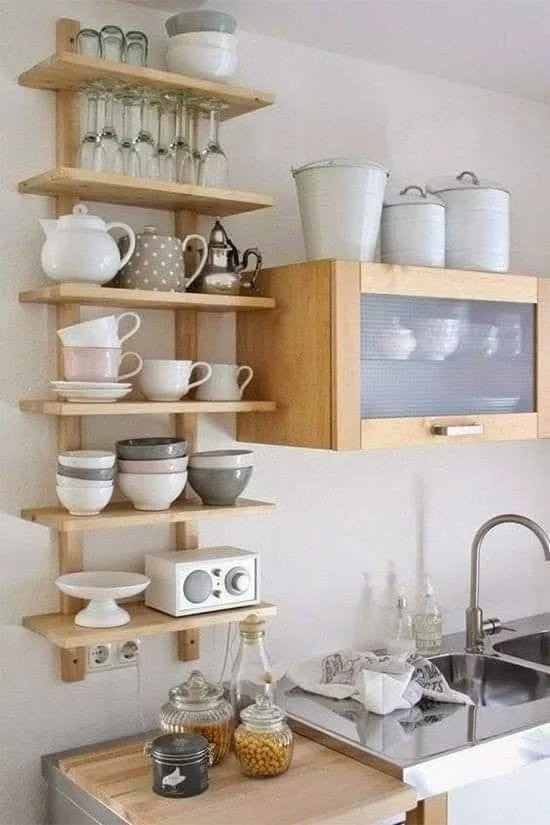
[48,225]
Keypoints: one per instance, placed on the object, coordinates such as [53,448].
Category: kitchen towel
[381,683]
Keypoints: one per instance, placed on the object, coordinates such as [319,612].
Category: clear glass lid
[263,714]
[196,692]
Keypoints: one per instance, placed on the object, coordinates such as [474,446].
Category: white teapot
[78,247]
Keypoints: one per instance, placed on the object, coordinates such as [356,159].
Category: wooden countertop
[321,787]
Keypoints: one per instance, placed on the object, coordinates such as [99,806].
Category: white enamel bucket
[340,204]
[413,228]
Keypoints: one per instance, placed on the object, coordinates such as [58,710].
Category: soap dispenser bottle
[428,629]
[401,641]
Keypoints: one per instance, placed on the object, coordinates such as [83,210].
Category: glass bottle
[251,674]
[263,741]
[197,706]
[428,630]
[401,641]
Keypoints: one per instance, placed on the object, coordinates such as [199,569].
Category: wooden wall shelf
[67,71]
[123,514]
[61,630]
[93,295]
[70,408]
[150,193]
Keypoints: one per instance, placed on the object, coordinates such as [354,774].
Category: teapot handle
[131,237]
[204,256]
[252,277]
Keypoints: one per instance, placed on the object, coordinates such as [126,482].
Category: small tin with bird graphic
[180,764]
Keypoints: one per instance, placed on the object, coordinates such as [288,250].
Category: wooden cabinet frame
[306,355]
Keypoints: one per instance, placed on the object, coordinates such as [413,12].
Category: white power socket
[111,655]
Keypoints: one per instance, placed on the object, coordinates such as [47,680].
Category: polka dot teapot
[158,262]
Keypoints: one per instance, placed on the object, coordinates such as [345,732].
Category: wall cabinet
[327,356]
[65,73]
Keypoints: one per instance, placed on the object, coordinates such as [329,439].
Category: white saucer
[89,385]
[92,396]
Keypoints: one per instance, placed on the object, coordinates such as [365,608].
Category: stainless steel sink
[534,647]
[491,681]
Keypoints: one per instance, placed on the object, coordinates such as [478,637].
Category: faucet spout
[474,614]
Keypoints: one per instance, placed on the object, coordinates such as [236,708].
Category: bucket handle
[472,175]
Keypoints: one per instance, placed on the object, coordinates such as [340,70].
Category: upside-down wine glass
[108,138]
[182,150]
[213,167]
[129,130]
[91,152]
[163,161]
[144,144]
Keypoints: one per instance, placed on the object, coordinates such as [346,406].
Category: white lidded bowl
[84,501]
[89,459]
[67,481]
[222,459]
[153,491]
[208,62]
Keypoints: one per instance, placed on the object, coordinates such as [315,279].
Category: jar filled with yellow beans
[199,707]
[263,742]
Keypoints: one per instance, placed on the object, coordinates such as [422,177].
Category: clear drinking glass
[108,138]
[112,43]
[136,48]
[87,42]
[213,167]
[91,152]
[144,143]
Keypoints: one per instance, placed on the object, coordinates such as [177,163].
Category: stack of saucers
[84,480]
[152,471]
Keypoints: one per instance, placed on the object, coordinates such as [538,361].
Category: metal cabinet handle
[457,429]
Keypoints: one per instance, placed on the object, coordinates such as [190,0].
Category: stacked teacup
[84,480]
[92,359]
[152,472]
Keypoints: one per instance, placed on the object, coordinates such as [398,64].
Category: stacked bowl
[220,476]
[152,472]
[203,43]
[84,480]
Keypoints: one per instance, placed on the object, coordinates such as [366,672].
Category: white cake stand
[102,587]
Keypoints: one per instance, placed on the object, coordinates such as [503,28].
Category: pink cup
[97,363]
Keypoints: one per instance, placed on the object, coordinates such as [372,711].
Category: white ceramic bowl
[197,20]
[84,501]
[153,491]
[222,459]
[221,40]
[90,459]
[67,481]
[209,62]
[154,466]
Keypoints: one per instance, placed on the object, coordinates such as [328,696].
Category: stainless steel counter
[438,746]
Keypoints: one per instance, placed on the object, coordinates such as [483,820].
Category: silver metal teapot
[223,273]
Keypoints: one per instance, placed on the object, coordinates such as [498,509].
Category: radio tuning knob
[237,581]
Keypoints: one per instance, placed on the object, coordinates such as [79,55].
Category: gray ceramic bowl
[200,20]
[87,473]
[145,449]
[219,487]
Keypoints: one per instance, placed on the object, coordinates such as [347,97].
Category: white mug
[224,385]
[100,332]
[164,380]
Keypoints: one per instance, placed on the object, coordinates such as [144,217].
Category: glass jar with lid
[263,741]
[199,707]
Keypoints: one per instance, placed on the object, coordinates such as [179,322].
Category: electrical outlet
[112,655]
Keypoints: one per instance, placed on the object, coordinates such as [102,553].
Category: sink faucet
[475,629]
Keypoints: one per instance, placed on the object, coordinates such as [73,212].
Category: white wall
[341,520]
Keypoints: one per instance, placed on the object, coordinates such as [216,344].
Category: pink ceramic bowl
[154,466]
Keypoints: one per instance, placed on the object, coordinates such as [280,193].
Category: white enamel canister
[477,222]
[413,228]
[340,204]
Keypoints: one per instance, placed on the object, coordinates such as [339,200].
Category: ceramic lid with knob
[464,180]
[80,219]
[412,196]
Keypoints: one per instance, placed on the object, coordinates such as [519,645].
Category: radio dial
[237,581]
[197,587]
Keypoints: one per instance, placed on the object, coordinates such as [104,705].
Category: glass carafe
[251,674]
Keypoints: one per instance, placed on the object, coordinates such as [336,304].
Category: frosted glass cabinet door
[437,356]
